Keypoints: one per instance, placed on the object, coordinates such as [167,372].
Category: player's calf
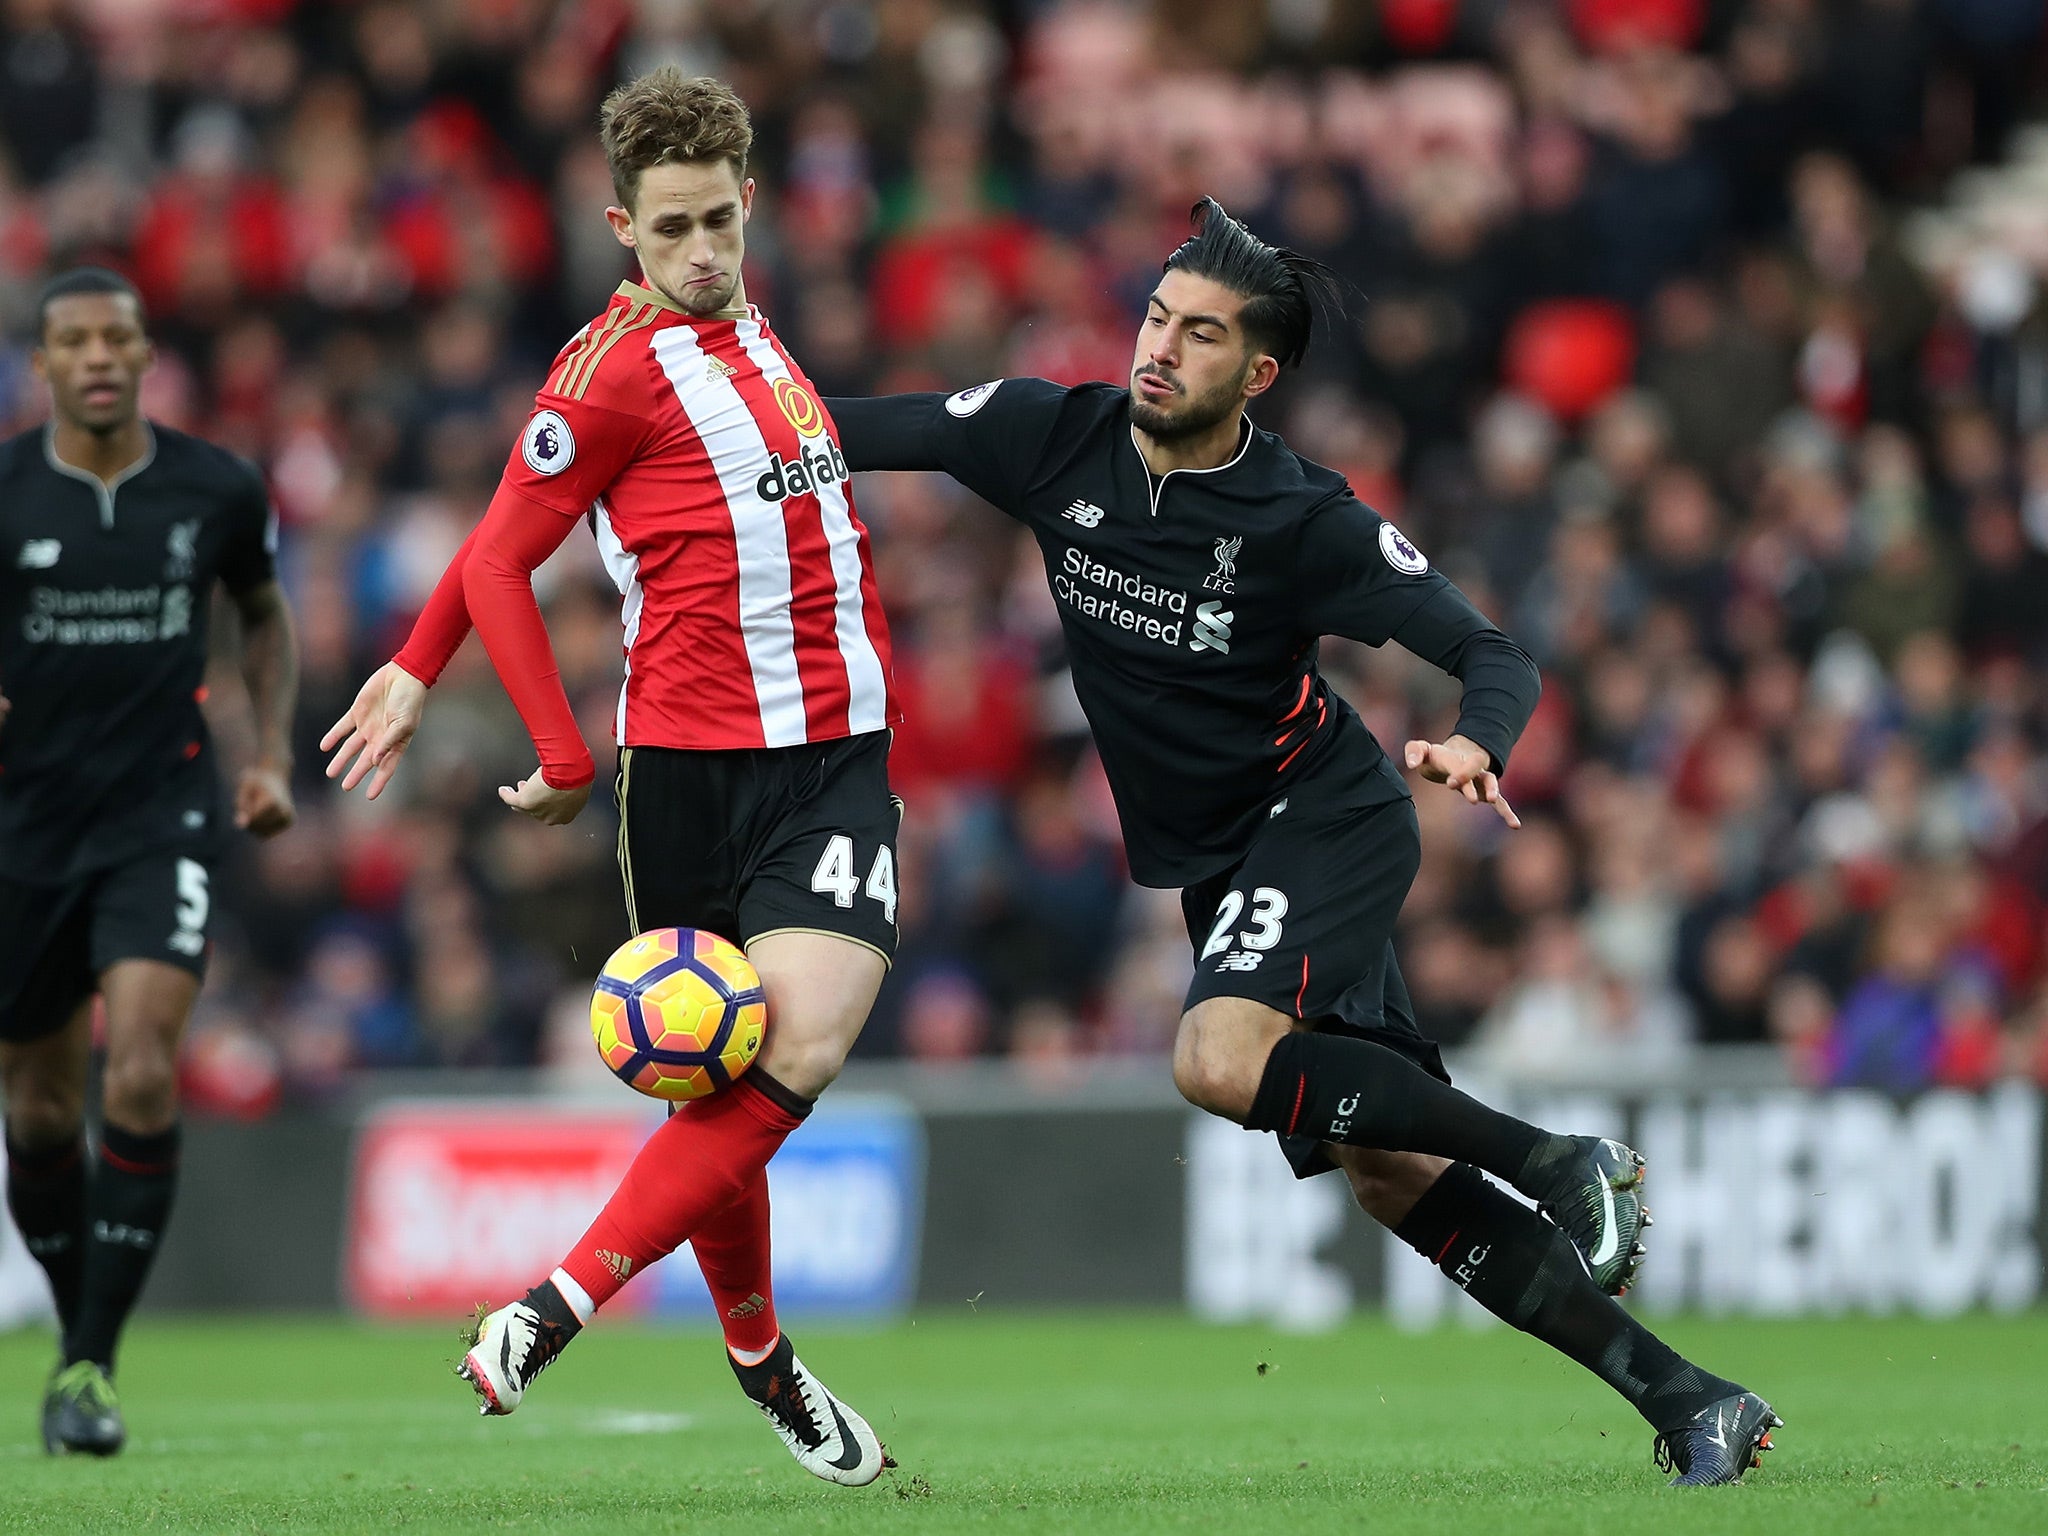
[1527,1272]
[1356,1092]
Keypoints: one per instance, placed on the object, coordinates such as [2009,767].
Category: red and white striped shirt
[719,496]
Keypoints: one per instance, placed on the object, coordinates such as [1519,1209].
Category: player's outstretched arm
[373,735]
[887,431]
[1463,765]
[990,438]
[270,668]
[1361,579]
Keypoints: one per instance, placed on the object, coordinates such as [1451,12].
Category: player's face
[688,227]
[93,356]
[1194,365]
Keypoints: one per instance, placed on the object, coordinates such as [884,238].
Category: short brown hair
[667,117]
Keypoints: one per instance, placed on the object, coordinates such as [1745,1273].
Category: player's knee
[141,1087]
[1379,1194]
[1386,1185]
[807,1062]
[810,1071]
[43,1110]
[1208,1071]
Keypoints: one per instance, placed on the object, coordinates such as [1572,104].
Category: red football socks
[702,1160]
[733,1250]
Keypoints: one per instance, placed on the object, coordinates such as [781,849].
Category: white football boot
[512,1346]
[827,1438]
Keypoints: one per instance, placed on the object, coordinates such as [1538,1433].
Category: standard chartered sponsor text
[106,615]
[1078,573]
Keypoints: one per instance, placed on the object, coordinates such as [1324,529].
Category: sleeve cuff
[1489,737]
[570,778]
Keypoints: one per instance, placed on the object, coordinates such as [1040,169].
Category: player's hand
[539,799]
[377,729]
[263,801]
[1462,764]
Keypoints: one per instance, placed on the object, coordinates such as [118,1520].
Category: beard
[1192,417]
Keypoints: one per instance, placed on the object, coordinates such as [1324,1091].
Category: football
[678,1013]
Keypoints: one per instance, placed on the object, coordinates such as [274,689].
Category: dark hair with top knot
[1283,290]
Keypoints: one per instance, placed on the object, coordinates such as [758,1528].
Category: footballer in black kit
[1196,562]
[113,533]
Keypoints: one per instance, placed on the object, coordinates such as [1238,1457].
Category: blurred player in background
[113,532]
[753,727]
[1196,562]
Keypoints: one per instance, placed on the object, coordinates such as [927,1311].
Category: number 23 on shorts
[838,875]
[1269,906]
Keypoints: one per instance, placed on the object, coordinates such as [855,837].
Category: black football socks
[1360,1093]
[46,1193]
[126,1211]
[558,1325]
[1526,1272]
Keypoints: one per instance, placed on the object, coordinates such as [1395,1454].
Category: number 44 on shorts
[835,875]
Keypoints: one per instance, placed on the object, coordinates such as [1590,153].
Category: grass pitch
[1040,1424]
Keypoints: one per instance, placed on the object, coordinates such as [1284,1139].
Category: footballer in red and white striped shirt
[753,726]
[719,499]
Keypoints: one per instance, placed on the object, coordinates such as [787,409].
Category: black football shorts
[1304,923]
[56,940]
[760,840]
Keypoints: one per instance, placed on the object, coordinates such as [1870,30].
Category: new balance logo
[620,1266]
[753,1306]
[1240,960]
[718,368]
[1212,628]
[39,554]
[1086,513]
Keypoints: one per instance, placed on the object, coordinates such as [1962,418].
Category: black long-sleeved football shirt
[104,597]
[1193,603]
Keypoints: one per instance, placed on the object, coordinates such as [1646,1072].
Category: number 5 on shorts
[834,875]
[194,902]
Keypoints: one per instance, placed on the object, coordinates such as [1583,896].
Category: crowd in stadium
[1649,350]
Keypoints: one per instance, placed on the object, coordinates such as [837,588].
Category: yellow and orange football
[678,1013]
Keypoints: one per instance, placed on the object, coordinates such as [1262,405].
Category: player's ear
[622,225]
[1259,378]
[746,199]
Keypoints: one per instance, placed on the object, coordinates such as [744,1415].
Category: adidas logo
[753,1306]
[1086,513]
[620,1266]
[718,368]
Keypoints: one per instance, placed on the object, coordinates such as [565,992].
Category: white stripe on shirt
[732,440]
[624,567]
[868,706]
